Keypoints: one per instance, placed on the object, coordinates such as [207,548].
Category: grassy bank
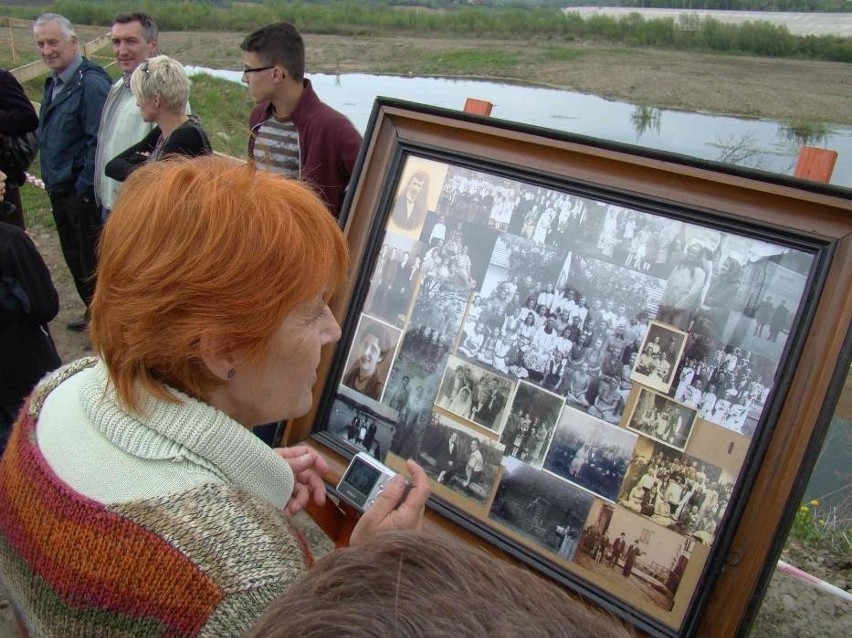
[350,18]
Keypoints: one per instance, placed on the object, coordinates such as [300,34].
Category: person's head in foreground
[416,585]
[132,487]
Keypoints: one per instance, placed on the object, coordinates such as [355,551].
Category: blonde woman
[161,88]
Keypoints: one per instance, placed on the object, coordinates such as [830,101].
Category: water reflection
[764,144]
[646,118]
[805,133]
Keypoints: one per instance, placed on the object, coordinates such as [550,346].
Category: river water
[762,144]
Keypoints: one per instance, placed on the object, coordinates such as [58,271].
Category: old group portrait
[590,453]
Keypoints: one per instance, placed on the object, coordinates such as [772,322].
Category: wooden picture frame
[702,501]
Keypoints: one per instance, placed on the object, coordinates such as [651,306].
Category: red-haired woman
[133,497]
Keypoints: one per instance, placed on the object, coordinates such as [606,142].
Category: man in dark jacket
[17,117]
[74,96]
[292,131]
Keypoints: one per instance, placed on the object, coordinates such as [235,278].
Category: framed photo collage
[584,373]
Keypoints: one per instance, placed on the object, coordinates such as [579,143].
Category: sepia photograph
[417,194]
[632,557]
[364,424]
[659,356]
[662,419]
[530,424]
[541,507]
[370,357]
[590,453]
[459,458]
[677,491]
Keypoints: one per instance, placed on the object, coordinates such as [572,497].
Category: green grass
[468,62]
[224,108]
[817,526]
[560,54]
[36,203]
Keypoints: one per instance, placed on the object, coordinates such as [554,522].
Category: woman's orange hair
[205,247]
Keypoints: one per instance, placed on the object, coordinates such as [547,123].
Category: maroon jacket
[328,144]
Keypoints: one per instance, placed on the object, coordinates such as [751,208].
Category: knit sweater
[105,544]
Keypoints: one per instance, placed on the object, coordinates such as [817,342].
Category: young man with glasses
[292,131]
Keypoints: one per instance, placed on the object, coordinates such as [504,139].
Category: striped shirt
[277,147]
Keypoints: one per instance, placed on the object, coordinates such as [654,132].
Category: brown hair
[414,585]
[205,247]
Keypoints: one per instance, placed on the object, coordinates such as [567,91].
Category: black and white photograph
[411,392]
[459,458]
[542,507]
[457,251]
[434,324]
[677,491]
[370,356]
[394,279]
[417,194]
[513,306]
[475,394]
[635,559]
[659,356]
[478,197]
[729,386]
[607,332]
[632,239]
[750,293]
[659,418]
[590,453]
[530,424]
[363,423]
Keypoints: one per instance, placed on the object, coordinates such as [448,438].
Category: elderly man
[74,96]
[134,40]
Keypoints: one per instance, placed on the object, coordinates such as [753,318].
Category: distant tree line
[689,32]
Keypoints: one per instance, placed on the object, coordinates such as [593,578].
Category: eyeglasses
[145,68]
[257,69]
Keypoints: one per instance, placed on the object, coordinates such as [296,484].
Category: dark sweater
[187,139]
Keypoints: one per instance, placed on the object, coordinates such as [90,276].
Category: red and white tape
[795,572]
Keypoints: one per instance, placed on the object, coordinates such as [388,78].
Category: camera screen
[362,477]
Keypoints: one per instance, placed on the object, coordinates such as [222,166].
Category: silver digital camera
[363,481]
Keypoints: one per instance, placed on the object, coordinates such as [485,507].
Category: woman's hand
[395,509]
[308,468]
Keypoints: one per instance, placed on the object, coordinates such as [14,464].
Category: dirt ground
[782,89]
[796,90]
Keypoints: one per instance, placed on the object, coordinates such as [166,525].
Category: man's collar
[69,71]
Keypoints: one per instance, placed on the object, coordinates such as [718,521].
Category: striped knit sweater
[204,561]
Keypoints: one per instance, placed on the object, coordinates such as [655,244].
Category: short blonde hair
[163,76]
[205,248]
